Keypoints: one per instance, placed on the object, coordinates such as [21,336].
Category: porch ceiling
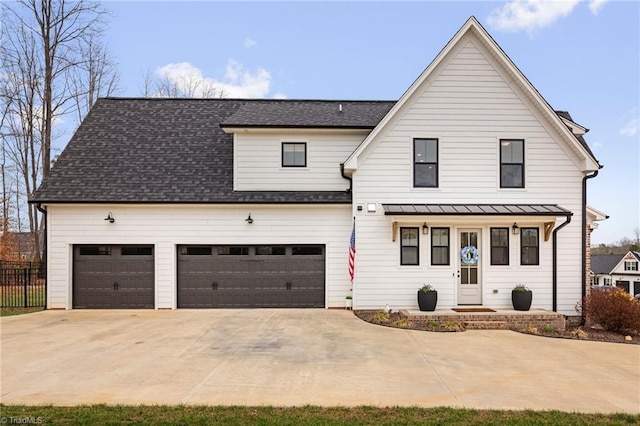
[475,210]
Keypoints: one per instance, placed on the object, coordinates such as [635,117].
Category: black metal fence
[23,284]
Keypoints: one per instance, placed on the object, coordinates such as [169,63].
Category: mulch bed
[589,333]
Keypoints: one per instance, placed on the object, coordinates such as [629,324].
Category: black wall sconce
[425,228]
[249,220]
[515,228]
[110,218]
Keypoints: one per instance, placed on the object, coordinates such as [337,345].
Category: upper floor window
[409,246]
[499,246]
[529,246]
[294,154]
[511,163]
[425,163]
[439,246]
[630,266]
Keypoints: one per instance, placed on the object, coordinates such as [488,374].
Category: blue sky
[583,56]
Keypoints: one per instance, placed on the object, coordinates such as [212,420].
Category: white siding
[469,104]
[167,226]
[258,161]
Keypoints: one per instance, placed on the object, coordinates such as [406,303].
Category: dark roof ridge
[139,98]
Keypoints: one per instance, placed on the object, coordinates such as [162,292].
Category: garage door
[251,276]
[106,276]
[623,285]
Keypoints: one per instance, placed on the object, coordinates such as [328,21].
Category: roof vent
[340,107]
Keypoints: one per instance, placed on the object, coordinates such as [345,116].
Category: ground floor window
[499,246]
[439,246]
[409,246]
[607,281]
[529,246]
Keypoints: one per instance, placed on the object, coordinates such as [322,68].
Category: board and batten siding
[469,103]
[258,161]
[167,226]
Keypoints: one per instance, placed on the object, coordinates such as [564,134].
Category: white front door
[469,277]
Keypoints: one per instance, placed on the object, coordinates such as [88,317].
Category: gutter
[350,179]
[44,251]
[584,238]
[555,261]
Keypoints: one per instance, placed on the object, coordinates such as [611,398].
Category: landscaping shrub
[613,309]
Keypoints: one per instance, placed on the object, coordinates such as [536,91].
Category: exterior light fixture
[110,218]
[249,220]
[425,228]
[515,228]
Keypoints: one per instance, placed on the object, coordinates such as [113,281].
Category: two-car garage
[208,276]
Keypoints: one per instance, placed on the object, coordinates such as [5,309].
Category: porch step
[486,325]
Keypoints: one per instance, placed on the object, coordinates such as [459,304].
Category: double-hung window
[511,163]
[439,246]
[409,246]
[425,163]
[529,246]
[630,266]
[294,154]
[499,246]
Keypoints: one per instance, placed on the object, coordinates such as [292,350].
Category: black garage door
[106,276]
[623,285]
[251,276]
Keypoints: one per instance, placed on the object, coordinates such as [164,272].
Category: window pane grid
[409,246]
[439,246]
[529,250]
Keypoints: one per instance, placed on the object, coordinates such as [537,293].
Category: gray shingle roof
[309,114]
[157,150]
[604,263]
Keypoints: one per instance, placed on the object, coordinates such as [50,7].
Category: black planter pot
[521,300]
[427,301]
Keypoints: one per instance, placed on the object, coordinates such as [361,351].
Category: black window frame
[503,163]
[417,246]
[436,165]
[524,260]
[434,230]
[304,144]
[631,265]
[494,259]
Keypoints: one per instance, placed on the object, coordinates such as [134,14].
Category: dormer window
[294,154]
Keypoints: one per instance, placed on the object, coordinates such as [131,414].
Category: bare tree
[184,86]
[52,63]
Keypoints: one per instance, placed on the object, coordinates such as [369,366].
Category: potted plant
[427,298]
[521,297]
[348,302]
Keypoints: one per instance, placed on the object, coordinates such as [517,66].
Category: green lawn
[307,415]
[6,312]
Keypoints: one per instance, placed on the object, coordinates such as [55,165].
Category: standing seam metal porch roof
[475,210]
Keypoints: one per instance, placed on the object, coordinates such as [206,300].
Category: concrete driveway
[296,357]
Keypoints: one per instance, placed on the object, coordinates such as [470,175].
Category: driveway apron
[287,357]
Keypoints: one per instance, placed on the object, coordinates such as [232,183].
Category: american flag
[352,252]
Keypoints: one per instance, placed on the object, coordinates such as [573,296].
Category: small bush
[613,309]
[403,323]
[548,329]
[380,317]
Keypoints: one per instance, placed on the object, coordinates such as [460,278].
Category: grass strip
[307,415]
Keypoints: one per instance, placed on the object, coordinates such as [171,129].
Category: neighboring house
[183,203]
[620,270]
[593,217]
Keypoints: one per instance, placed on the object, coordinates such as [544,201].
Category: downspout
[555,261]
[44,251]
[346,177]
[584,237]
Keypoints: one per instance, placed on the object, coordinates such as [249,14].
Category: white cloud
[629,129]
[279,96]
[236,83]
[249,42]
[597,145]
[528,15]
[596,5]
